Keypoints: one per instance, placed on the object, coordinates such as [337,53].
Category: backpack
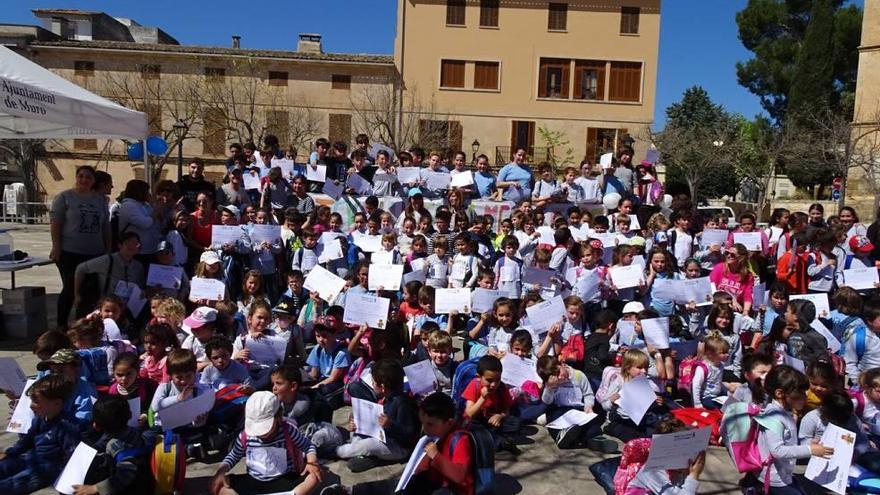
[295,455]
[465,372]
[482,456]
[603,472]
[229,404]
[686,370]
[168,464]
[861,335]
[609,374]
[635,453]
[740,427]
[859,400]
[573,350]
[701,418]
[94,365]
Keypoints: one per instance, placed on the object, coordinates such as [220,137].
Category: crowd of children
[279,359]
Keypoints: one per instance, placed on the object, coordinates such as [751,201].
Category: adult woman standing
[80,231]
[137,215]
[203,219]
[850,219]
[734,277]
[515,178]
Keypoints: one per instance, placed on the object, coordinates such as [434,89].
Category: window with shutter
[150,71]
[455,12]
[215,74]
[557,19]
[589,83]
[522,136]
[452,73]
[339,81]
[278,123]
[277,78]
[629,20]
[213,132]
[339,128]
[486,75]
[553,78]
[592,153]
[488,13]
[625,82]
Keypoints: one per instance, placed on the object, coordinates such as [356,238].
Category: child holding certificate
[488,402]
[328,363]
[258,319]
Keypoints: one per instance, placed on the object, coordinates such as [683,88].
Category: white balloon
[667,201]
[611,200]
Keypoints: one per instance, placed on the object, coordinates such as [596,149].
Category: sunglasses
[731,255]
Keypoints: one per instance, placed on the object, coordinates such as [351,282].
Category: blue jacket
[47,444]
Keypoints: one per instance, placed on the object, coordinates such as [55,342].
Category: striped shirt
[300,441]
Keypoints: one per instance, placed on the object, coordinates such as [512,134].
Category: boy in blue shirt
[328,363]
[66,364]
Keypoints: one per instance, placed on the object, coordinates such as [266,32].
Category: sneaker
[542,420]
[561,437]
[196,451]
[335,489]
[602,444]
[361,464]
[512,448]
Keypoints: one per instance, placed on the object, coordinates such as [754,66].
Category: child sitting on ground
[328,362]
[488,402]
[707,379]
[223,370]
[130,386]
[183,386]
[399,420]
[39,455]
[290,463]
[66,363]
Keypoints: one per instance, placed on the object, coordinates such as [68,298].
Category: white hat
[633,307]
[259,413]
[201,316]
[209,258]
[233,210]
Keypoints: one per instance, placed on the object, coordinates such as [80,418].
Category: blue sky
[698,40]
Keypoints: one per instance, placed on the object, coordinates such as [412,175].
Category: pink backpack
[635,453]
[609,374]
[740,427]
[686,370]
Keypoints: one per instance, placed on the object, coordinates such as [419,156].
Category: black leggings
[67,264]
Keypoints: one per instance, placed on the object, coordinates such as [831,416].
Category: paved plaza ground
[542,469]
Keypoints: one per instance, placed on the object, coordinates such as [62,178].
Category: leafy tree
[813,81]
[775,31]
[698,146]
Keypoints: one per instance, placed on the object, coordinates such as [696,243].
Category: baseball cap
[61,356]
[259,413]
[209,258]
[283,308]
[633,307]
[637,241]
[165,246]
[200,317]
[233,210]
[414,192]
[860,244]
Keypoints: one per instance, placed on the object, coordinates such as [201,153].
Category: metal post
[148,169]
[179,160]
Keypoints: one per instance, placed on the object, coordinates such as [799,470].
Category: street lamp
[180,129]
[475,146]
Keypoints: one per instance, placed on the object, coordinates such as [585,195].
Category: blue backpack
[464,373]
[860,334]
[94,365]
[482,456]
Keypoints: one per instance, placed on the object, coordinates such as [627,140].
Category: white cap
[259,413]
[201,316]
[209,258]
[633,307]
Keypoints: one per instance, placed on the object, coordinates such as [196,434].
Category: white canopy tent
[36,103]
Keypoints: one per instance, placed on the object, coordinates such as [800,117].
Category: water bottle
[6,248]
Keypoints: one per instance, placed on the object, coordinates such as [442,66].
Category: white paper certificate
[225,234]
[74,472]
[366,309]
[369,243]
[698,290]
[516,370]
[358,184]
[408,175]
[330,251]
[184,413]
[823,309]
[316,173]
[462,179]
[436,181]
[414,460]
[537,276]
[482,300]
[385,276]
[636,397]
[325,283]
[251,180]
[167,277]
[269,350]
[833,473]
[572,417]
[266,233]
[860,278]
[656,332]
[332,189]
[448,300]
[713,237]
[22,415]
[676,450]
[209,289]
[545,314]
[625,277]
[751,240]
[420,377]
[366,418]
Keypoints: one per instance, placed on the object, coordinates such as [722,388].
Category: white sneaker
[542,420]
